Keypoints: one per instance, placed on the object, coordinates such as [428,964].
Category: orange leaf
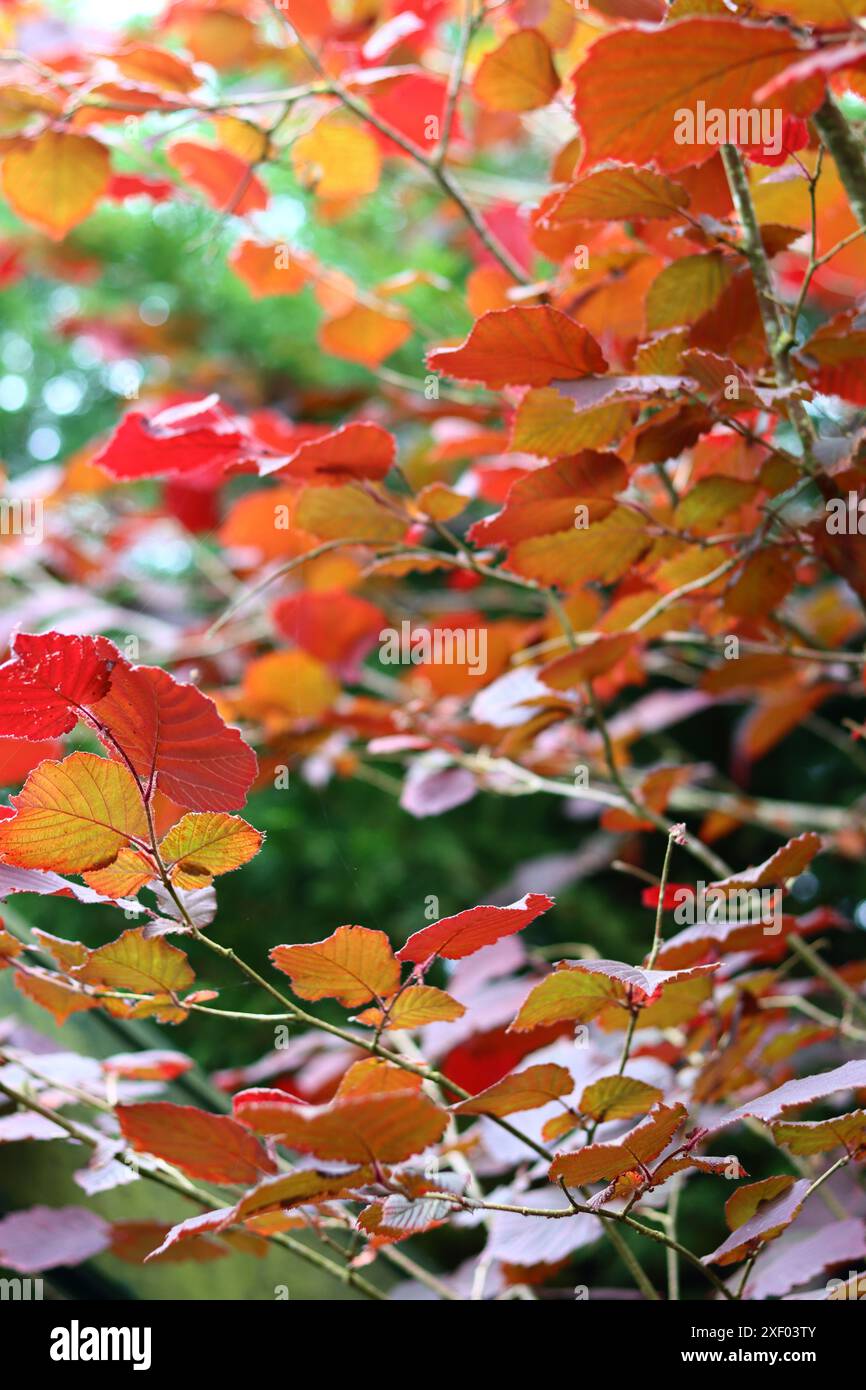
[547,499]
[524,1090]
[352,966]
[60,998]
[517,76]
[521,347]
[291,683]
[372,1076]
[55,180]
[618,192]
[787,862]
[203,845]
[333,626]
[605,1161]
[212,1147]
[73,815]
[129,872]
[269,268]
[359,449]
[596,659]
[387,1128]
[363,334]
[634,82]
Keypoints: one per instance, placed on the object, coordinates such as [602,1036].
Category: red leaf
[467,932]
[335,627]
[185,439]
[521,347]
[227,181]
[357,450]
[48,678]
[173,733]
[212,1147]
[408,105]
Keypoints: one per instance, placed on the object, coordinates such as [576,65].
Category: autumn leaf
[352,966]
[365,334]
[452,938]
[137,964]
[387,1128]
[634,81]
[336,628]
[372,1076]
[769,1221]
[48,678]
[808,1137]
[521,346]
[268,268]
[73,815]
[519,75]
[214,1148]
[292,683]
[227,181]
[129,872]
[175,739]
[638,1148]
[347,512]
[180,441]
[583,989]
[525,1090]
[414,1007]
[619,191]
[60,998]
[56,180]
[201,846]
[787,862]
[357,450]
[337,159]
[617,1098]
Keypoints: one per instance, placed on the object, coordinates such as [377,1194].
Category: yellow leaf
[686,289]
[204,844]
[73,815]
[137,964]
[618,1098]
[415,1007]
[337,159]
[53,182]
[348,512]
